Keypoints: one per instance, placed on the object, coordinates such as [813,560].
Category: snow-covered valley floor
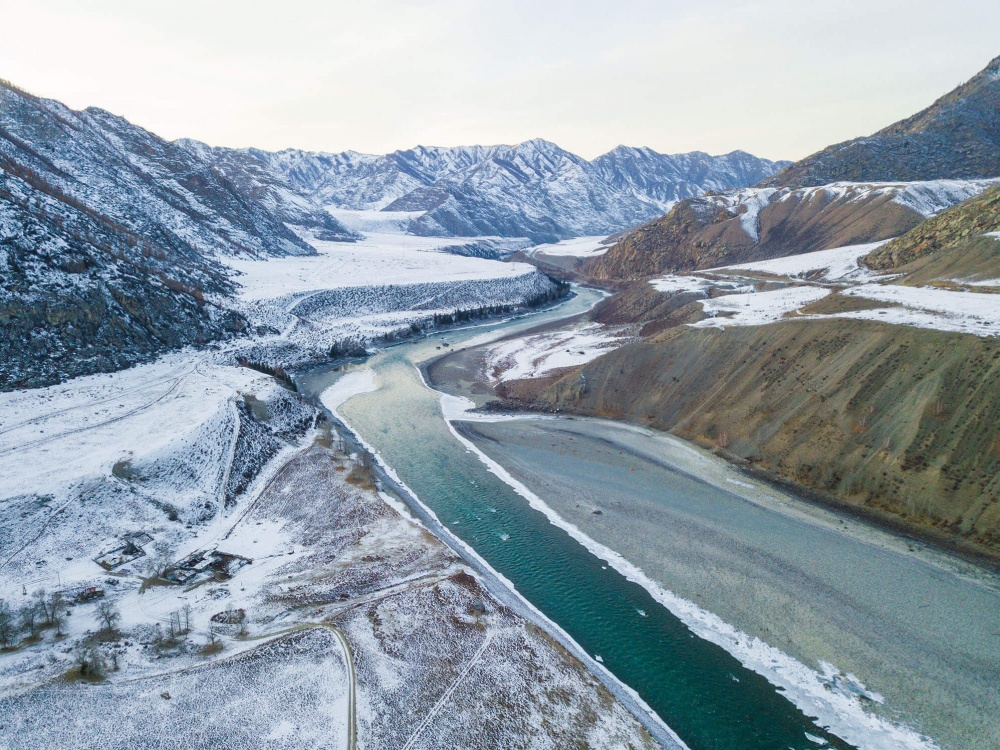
[351,294]
[578,247]
[262,592]
[381,258]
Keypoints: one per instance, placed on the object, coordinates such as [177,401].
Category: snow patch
[348,386]
[679,284]
[578,247]
[837,264]
[927,307]
[543,353]
[758,308]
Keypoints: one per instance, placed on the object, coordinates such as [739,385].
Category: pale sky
[778,78]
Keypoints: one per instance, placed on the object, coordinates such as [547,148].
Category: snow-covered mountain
[666,179]
[109,238]
[214,200]
[533,189]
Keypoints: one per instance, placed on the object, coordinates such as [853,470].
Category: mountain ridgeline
[864,190]
[957,137]
[534,189]
[960,243]
[759,223]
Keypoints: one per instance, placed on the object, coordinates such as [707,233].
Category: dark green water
[705,695]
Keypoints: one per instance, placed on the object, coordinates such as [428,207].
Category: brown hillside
[956,231]
[706,232]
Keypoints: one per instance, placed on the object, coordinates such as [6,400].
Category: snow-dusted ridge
[926,198]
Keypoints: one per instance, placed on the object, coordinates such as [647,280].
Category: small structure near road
[207,564]
[129,551]
[89,594]
[229,617]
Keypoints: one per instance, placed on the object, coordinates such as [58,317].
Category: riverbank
[705,688]
[332,388]
[910,622]
[837,596]
[398,495]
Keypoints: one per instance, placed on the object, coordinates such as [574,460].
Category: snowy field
[578,247]
[378,222]
[697,285]
[166,449]
[928,307]
[837,264]
[379,259]
[77,429]
[815,275]
[757,308]
[375,289]
[541,354]
[289,693]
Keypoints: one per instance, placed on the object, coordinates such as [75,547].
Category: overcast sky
[779,78]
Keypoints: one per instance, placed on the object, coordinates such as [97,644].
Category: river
[671,656]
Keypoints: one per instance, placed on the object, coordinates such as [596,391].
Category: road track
[58,436]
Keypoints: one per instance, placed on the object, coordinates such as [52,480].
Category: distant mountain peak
[537,144]
[531,189]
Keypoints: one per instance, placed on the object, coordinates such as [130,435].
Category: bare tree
[186,611]
[88,660]
[8,625]
[41,601]
[56,613]
[158,562]
[29,619]
[108,616]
